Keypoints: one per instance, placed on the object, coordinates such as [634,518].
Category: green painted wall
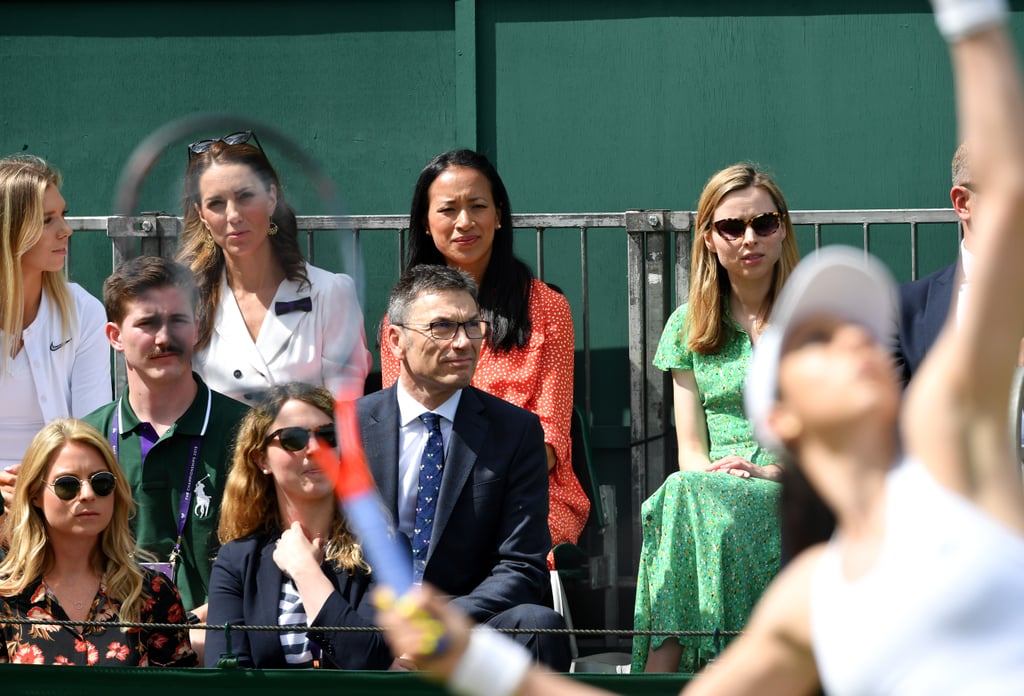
[584,106]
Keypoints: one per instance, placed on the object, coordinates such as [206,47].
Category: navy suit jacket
[245,588]
[924,306]
[490,537]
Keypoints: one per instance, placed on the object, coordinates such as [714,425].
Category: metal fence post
[648,267]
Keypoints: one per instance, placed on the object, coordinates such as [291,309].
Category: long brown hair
[709,282]
[204,257]
[250,496]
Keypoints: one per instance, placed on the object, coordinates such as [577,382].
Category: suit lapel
[231,330]
[379,430]
[469,433]
[940,299]
[266,648]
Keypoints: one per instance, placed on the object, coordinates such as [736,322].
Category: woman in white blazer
[266,317]
[54,356]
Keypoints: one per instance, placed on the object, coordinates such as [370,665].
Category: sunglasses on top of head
[237,138]
[763,224]
[68,487]
[294,438]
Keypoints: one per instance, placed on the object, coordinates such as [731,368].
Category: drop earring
[273,229]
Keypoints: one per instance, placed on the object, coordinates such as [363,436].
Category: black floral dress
[38,644]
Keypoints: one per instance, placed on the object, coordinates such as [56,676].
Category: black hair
[504,293]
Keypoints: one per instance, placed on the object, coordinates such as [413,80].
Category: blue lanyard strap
[190,473]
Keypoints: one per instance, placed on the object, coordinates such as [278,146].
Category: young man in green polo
[172,434]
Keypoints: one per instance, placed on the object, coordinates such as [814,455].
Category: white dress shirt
[966,262]
[412,438]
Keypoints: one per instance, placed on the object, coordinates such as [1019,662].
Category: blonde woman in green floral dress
[711,532]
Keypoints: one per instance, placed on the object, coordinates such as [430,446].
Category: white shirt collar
[966,262]
[409,409]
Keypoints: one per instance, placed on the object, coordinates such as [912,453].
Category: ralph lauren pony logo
[201,509]
[303,304]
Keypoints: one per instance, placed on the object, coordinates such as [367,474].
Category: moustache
[170,349]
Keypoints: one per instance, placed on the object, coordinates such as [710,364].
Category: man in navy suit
[482,538]
[924,303]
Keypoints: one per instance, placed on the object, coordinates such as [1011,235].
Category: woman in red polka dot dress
[461,216]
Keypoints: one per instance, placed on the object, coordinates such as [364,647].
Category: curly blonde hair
[250,504]
[30,555]
[705,328]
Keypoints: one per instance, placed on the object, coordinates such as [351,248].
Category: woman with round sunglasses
[711,536]
[72,557]
[54,356]
[288,556]
[265,316]
[461,216]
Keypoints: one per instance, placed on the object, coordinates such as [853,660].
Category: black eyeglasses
[295,438]
[446,330]
[201,146]
[764,225]
[68,487]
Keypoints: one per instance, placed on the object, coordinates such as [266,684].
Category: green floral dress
[710,540]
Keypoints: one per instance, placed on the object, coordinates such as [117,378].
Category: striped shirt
[298,651]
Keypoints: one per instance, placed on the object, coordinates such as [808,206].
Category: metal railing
[658,244]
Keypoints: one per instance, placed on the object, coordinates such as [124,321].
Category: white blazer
[70,371]
[325,346]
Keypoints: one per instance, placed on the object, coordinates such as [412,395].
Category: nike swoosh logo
[58,346]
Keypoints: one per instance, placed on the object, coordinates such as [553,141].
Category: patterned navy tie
[431,468]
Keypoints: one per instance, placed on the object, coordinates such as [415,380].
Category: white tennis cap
[837,280]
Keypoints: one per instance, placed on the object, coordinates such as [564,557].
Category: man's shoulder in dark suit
[923,307]
[914,293]
[476,398]
[497,406]
[490,552]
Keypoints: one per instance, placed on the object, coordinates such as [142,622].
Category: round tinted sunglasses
[68,487]
[295,438]
[764,225]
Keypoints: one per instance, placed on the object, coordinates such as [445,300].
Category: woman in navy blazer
[288,557]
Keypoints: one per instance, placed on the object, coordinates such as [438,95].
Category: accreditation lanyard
[190,472]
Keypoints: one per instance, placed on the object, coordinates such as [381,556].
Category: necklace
[79,605]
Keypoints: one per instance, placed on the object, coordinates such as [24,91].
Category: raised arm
[955,417]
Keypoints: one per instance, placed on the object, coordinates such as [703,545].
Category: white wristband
[957,19]
[492,665]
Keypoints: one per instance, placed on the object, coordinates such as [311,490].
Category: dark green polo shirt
[156,486]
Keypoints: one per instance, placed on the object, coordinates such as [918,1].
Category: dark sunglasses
[295,438]
[68,487]
[201,146]
[446,330]
[764,225]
